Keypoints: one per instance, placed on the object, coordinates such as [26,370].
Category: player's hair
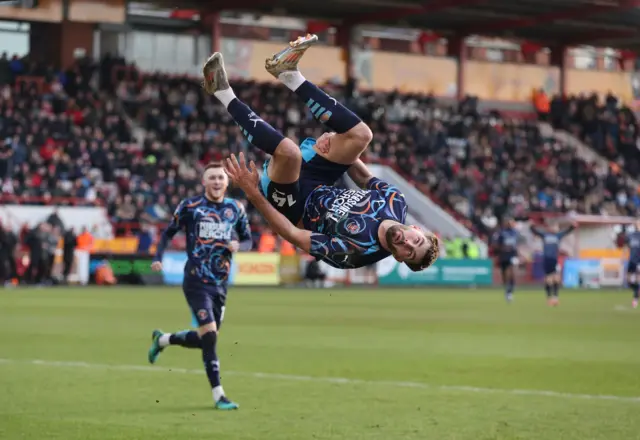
[212,165]
[430,256]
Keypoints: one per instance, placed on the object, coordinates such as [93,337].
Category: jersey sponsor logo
[324,117]
[510,241]
[281,198]
[214,231]
[551,239]
[343,204]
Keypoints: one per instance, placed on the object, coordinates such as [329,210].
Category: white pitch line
[333,380]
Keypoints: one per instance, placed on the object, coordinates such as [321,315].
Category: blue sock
[186,338]
[547,288]
[556,289]
[255,130]
[210,358]
[327,109]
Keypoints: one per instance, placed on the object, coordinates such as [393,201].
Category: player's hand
[156,266]
[245,178]
[234,246]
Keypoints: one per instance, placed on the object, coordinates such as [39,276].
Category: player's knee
[289,152]
[207,328]
[209,341]
[361,134]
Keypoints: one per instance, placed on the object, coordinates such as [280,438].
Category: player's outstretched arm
[247,179]
[360,174]
[569,229]
[167,236]
[536,231]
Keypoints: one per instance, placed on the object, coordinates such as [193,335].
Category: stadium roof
[610,23]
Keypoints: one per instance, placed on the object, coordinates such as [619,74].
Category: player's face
[408,244]
[215,183]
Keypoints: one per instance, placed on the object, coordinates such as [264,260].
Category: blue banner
[173,267]
[572,268]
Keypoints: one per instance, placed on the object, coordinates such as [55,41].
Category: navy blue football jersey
[632,240]
[209,227]
[551,241]
[507,240]
[345,222]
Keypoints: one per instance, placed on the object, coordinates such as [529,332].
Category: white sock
[164,340]
[292,79]
[225,96]
[218,392]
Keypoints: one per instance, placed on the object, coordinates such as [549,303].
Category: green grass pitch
[323,364]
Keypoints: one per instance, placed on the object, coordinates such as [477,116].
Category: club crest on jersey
[353,227]
[228,213]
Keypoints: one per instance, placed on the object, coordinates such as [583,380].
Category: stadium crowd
[605,125]
[136,143]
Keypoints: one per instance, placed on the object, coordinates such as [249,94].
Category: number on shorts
[281,198]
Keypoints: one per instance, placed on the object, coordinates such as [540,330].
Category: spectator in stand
[6,159]
[157,212]
[6,76]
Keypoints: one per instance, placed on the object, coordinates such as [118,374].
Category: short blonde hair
[212,165]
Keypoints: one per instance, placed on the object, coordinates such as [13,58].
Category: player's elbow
[361,179]
[299,238]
